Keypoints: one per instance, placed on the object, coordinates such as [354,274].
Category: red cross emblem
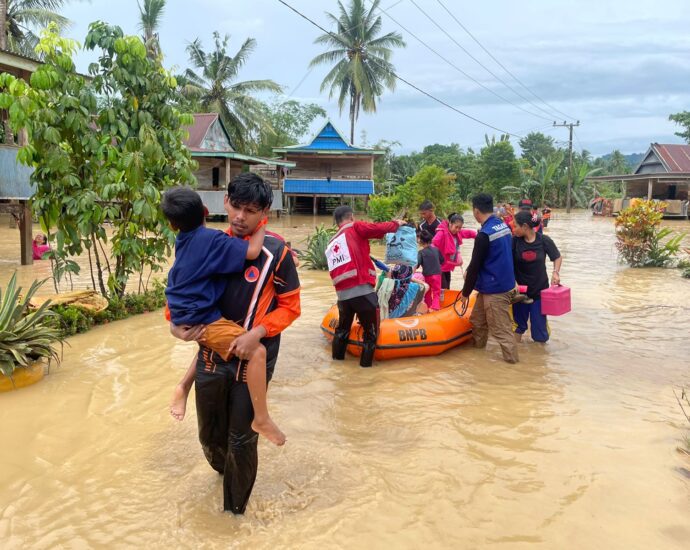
[336,248]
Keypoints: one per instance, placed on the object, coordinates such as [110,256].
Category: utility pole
[570,161]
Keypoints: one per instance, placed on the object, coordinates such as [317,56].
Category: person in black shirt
[530,250]
[429,220]
[430,259]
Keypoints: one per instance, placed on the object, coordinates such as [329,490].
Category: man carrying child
[262,298]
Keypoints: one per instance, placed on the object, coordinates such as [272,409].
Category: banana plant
[26,335]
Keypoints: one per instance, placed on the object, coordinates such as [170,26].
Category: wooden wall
[204,174]
[336,168]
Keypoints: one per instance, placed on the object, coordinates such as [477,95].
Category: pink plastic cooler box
[555,300]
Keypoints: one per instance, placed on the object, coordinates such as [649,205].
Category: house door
[672,192]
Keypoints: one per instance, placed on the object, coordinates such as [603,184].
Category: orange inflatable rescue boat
[417,336]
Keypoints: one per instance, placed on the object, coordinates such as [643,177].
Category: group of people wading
[234,294]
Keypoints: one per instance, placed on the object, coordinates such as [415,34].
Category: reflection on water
[572,448]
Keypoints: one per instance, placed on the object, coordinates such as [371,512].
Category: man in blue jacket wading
[491,273]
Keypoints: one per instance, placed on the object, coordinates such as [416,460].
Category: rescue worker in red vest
[354,277]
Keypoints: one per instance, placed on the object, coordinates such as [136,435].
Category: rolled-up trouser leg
[480,328]
[346,314]
[368,315]
[498,309]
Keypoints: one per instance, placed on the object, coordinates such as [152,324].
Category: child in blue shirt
[195,286]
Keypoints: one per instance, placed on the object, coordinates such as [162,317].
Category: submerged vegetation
[26,335]
[640,240]
[314,256]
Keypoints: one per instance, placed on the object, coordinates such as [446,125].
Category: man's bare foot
[178,405]
[269,430]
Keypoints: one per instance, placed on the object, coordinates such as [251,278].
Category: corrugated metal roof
[325,187]
[676,158]
[198,130]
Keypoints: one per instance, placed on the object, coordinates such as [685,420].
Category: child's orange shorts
[220,335]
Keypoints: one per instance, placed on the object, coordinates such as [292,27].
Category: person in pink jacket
[448,239]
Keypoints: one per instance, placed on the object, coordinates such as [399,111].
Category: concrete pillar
[25,234]
[650,188]
[316,205]
[227,172]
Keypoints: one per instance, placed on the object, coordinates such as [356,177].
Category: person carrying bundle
[354,276]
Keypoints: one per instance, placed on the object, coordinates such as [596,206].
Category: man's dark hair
[250,188]
[455,218]
[483,202]
[425,237]
[426,205]
[183,208]
[341,213]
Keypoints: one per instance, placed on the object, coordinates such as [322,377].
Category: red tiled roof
[198,130]
[675,157]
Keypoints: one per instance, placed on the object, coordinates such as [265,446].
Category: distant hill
[633,159]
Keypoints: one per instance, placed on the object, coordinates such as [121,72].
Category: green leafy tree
[103,149]
[536,146]
[499,167]
[288,121]
[362,69]
[430,183]
[150,15]
[683,120]
[20,18]
[216,88]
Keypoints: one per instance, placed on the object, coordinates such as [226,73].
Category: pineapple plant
[26,335]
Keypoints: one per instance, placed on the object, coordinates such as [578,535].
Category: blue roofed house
[328,166]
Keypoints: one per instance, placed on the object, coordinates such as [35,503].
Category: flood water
[575,447]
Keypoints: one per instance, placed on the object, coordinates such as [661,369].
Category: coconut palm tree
[362,68]
[19,19]
[150,15]
[216,88]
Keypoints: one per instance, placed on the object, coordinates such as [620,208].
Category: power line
[401,79]
[501,64]
[499,96]
[439,27]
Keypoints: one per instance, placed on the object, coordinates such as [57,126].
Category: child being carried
[195,285]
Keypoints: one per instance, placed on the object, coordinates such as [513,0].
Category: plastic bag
[401,246]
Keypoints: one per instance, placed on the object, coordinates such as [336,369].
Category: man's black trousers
[367,310]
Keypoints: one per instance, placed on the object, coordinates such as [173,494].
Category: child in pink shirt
[448,239]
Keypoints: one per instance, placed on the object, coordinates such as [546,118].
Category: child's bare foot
[178,405]
[269,430]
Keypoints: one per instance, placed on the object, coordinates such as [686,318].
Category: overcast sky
[619,66]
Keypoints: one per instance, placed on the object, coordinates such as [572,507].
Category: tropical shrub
[382,209]
[314,257]
[640,240]
[25,335]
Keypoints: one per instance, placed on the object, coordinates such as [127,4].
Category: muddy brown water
[575,447]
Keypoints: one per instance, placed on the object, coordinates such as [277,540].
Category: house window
[215,176]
